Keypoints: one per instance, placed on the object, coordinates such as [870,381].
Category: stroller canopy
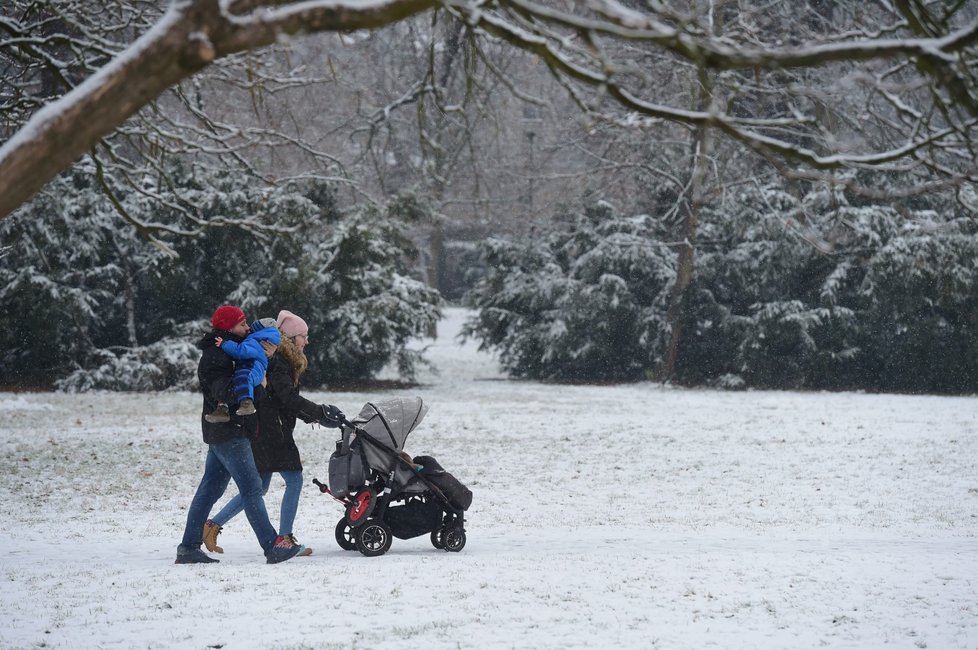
[390,421]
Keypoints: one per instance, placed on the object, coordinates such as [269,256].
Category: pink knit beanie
[291,325]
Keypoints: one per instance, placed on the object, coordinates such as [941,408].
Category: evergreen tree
[63,285]
[585,302]
[85,305]
[921,314]
[790,291]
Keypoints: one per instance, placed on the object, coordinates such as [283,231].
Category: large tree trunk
[687,247]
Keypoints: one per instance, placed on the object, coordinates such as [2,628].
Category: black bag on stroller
[346,470]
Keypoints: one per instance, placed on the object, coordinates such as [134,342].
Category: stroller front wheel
[373,538]
[361,505]
[344,535]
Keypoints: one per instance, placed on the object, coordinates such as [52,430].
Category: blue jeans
[290,501]
[225,461]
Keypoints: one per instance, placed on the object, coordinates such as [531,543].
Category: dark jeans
[225,461]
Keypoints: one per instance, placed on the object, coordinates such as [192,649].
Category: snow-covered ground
[632,516]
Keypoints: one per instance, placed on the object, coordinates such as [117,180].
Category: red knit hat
[226,316]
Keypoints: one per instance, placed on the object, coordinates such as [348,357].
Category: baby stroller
[385,492]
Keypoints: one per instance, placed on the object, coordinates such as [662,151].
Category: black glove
[332,416]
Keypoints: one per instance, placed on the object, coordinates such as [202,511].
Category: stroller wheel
[454,539]
[438,538]
[344,535]
[361,505]
[373,538]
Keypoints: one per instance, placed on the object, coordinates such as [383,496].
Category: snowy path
[631,516]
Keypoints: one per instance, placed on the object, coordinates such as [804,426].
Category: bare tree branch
[191,35]
[924,108]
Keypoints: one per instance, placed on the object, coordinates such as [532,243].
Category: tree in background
[905,68]
[83,307]
[584,302]
[351,280]
[890,304]
[67,275]
[688,100]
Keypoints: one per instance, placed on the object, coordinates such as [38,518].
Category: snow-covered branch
[190,35]
[903,83]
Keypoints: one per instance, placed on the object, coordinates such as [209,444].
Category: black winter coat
[273,445]
[215,371]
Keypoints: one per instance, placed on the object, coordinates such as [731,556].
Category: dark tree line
[86,306]
[491,115]
[888,302]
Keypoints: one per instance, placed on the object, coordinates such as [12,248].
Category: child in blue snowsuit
[249,370]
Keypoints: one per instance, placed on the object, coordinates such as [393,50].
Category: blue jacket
[250,354]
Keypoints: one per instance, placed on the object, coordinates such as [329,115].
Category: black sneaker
[220,414]
[246,407]
[283,549]
[193,556]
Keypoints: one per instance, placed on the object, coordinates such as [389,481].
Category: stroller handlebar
[333,418]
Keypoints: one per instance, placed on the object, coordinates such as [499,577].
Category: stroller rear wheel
[454,539]
[344,535]
[373,538]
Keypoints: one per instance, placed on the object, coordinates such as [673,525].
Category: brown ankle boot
[211,531]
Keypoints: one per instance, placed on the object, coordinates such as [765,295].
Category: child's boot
[220,414]
[246,407]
